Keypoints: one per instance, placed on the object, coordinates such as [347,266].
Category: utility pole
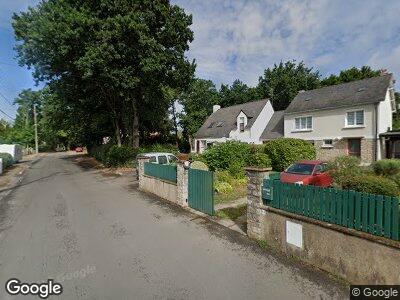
[36,134]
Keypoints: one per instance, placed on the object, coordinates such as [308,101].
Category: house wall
[253,134]
[385,121]
[330,124]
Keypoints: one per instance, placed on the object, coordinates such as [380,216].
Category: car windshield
[304,169]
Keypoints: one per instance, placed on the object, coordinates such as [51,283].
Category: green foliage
[100,152]
[370,184]
[222,156]
[232,212]
[7,160]
[285,151]
[111,61]
[351,74]
[237,93]
[197,104]
[199,165]
[282,83]
[259,159]
[223,187]
[343,167]
[159,148]
[118,156]
[387,167]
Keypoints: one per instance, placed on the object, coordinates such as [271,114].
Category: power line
[5,98]
[6,114]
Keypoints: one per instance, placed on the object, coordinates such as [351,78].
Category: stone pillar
[255,214]
[140,168]
[182,183]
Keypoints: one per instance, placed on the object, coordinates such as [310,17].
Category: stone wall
[359,257]
[173,192]
[340,148]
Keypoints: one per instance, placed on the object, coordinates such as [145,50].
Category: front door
[354,147]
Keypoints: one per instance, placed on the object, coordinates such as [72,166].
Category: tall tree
[237,93]
[119,53]
[351,74]
[197,104]
[282,83]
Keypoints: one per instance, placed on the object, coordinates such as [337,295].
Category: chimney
[216,107]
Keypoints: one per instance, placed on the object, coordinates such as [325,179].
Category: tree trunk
[135,127]
[118,133]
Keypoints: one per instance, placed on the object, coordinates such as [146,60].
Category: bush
[387,167]
[223,187]
[259,160]
[118,156]
[343,167]
[370,184]
[222,156]
[7,160]
[159,148]
[99,152]
[285,151]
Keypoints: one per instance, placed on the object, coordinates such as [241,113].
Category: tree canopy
[108,59]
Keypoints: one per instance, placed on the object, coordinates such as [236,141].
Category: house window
[392,99]
[303,123]
[327,143]
[355,118]
[241,124]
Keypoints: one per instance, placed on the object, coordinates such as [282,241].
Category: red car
[78,149]
[307,172]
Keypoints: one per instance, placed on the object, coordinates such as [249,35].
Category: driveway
[103,239]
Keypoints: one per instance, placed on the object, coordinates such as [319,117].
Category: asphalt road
[103,239]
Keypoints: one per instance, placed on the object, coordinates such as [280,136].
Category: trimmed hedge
[285,151]
[387,167]
[7,160]
[234,156]
[372,184]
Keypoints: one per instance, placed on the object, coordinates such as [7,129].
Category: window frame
[355,125]
[166,159]
[241,124]
[306,123]
[327,145]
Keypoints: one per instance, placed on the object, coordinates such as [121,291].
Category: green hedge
[118,156]
[387,167]
[285,151]
[372,184]
[234,156]
[7,160]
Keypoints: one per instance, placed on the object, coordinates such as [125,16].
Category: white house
[243,122]
[345,119]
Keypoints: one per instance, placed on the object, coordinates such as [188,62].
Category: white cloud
[239,39]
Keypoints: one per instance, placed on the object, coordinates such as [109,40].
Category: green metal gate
[201,191]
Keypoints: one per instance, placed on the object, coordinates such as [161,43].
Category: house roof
[220,123]
[366,91]
[274,128]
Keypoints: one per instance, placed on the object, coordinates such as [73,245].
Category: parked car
[161,158]
[78,149]
[307,172]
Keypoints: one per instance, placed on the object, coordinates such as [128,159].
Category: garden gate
[201,191]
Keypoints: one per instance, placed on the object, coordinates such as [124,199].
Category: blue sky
[239,39]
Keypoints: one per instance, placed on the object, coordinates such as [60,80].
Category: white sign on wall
[294,234]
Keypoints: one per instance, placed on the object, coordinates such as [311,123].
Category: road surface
[103,239]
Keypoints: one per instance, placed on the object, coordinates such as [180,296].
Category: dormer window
[241,124]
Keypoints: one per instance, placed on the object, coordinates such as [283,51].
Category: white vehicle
[161,158]
[14,149]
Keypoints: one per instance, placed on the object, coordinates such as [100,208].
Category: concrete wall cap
[257,169]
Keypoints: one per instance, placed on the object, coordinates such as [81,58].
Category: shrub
[222,156]
[159,148]
[372,184]
[120,156]
[7,160]
[224,176]
[199,165]
[387,167]
[259,160]
[223,187]
[343,167]
[285,151]
[99,152]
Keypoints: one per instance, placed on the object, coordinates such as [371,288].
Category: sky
[239,39]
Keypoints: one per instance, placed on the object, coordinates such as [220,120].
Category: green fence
[375,214]
[201,191]
[166,172]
